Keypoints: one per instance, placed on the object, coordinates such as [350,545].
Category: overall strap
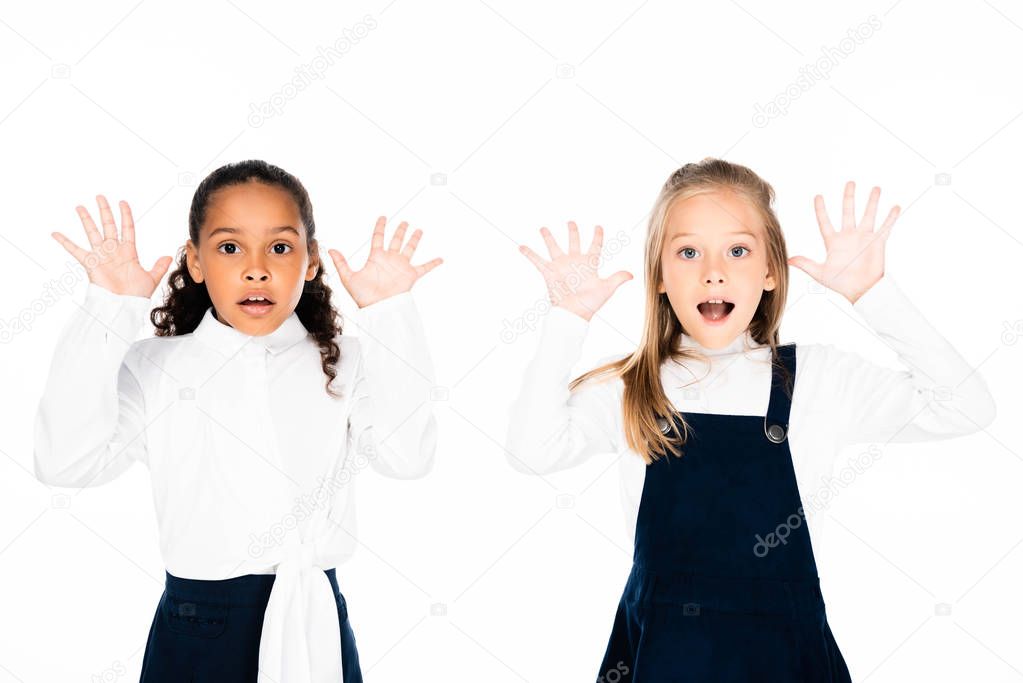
[776,422]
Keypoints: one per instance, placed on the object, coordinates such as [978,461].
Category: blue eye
[689,250]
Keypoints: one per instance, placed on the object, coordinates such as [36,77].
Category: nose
[256,271]
[713,274]
[713,271]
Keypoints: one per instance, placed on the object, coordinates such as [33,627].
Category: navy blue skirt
[209,631]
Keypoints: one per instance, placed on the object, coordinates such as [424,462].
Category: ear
[192,259]
[769,283]
[314,261]
[660,287]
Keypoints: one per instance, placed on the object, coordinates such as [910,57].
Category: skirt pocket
[190,617]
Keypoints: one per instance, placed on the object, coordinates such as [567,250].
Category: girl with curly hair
[251,452]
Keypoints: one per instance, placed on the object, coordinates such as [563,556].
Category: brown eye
[227,244]
[282,244]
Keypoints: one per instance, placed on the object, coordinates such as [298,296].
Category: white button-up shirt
[252,463]
[839,398]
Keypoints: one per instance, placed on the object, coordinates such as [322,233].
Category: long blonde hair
[644,399]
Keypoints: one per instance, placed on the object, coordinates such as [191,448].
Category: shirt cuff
[99,292]
[388,305]
[881,294]
[561,340]
[123,313]
[567,321]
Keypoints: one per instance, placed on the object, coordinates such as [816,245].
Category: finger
[618,279]
[849,206]
[127,223]
[573,238]
[827,230]
[598,241]
[377,242]
[398,236]
[552,246]
[159,268]
[868,214]
[343,271]
[413,242]
[541,265]
[428,266]
[811,268]
[889,221]
[91,232]
[76,251]
[106,217]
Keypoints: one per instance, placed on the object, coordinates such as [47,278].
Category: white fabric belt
[301,641]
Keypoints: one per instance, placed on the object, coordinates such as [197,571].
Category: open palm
[113,262]
[855,254]
[572,279]
[387,271]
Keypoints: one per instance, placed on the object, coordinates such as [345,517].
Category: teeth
[257,298]
[714,301]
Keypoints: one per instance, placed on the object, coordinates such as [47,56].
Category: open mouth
[715,310]
[257,304]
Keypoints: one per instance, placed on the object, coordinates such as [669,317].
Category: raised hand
[855,254]
[572,279]
[387,271]
[113,262]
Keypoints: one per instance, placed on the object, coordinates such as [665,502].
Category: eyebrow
[693,234]
[283,228]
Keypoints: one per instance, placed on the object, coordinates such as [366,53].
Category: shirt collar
[230,341]
[741,343]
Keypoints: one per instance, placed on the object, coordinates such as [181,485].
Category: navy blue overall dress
[209,631]
[724,584]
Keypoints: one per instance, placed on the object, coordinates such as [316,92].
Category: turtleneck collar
[741,343]
[229,340]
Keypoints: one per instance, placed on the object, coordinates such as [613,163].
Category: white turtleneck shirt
[839,398]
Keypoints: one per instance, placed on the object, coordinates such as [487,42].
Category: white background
[535,114]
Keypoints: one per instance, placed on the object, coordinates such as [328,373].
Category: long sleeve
[937,396]
[550,427]
[392,421]
[89,426]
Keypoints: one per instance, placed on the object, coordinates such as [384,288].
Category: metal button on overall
[708,598]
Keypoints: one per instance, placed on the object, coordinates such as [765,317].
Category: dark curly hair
[187,300]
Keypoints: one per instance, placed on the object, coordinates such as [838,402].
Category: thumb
[618,279]
[343,270]
[159,268]
[811,268]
